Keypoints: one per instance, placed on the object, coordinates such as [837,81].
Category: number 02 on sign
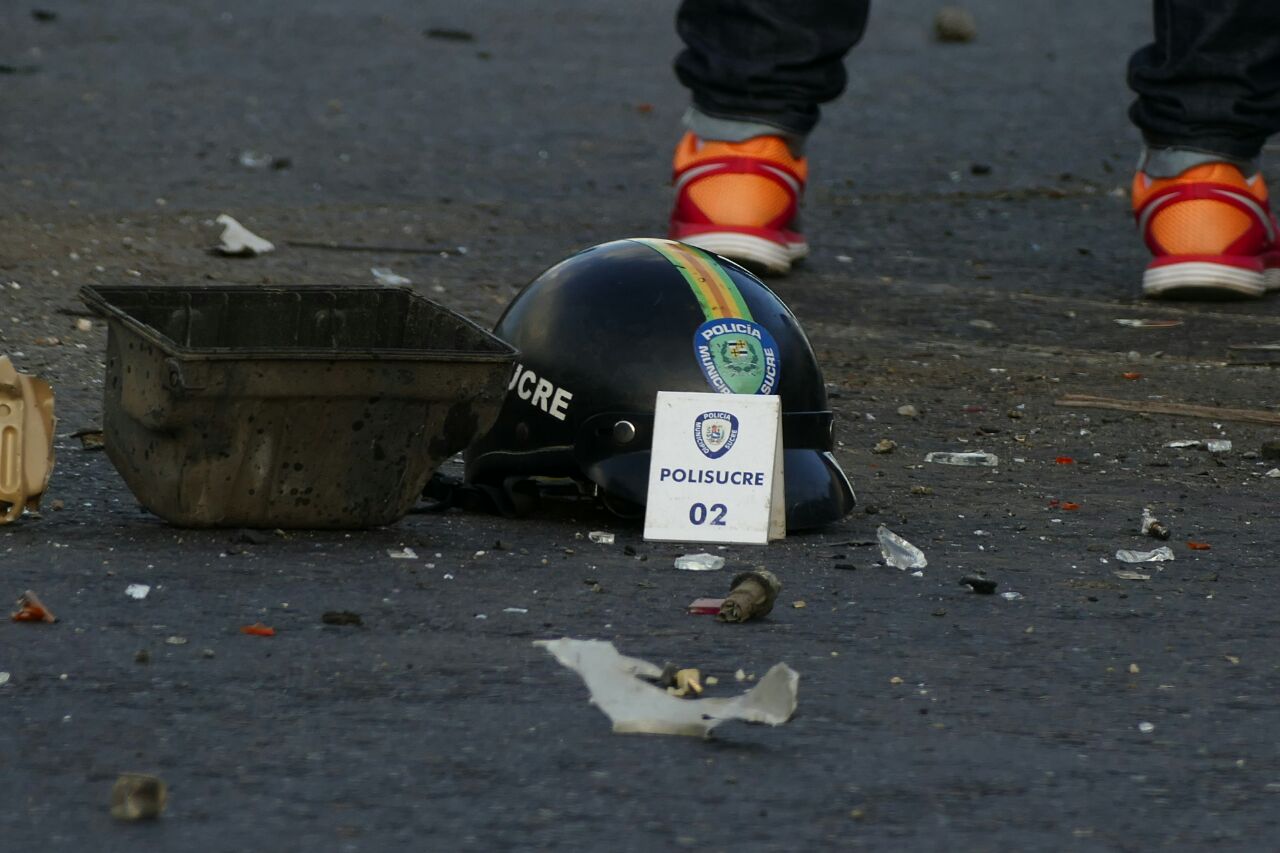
[716,470]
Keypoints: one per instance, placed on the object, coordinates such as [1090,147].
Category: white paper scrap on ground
[634,705]
[240,241]
[389,277]
[716,472]
[137,590]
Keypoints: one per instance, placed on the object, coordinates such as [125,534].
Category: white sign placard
[716,470]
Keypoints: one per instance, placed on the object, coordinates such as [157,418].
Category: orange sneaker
[1211,232]
[740,200]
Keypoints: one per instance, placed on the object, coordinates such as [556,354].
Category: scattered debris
[32,609]
[751,596]
[4,678]
[705,606]
[335,246]
[1163,554]
[142,656]
[1152,526]
[238,241]
[909,411]
[898,552]
[257,629]
[1156,407]
[1146,728]
[601,537]
[1213,445]
[1143,323]
[954,24]
[1131,376]
[799,605]
[699,562]
[388,277]
[688,684]
[341,617]
[1199,546]
[515,610]
[90,439]
[137,796]
[979,584]
[885,445]
[402,554]
[449,34]
[254,159]
[1131,575]
[969,459]
[1274,473]
[26,453]
[137,591]
[1064,460]
[1011,596]
[635,705]
[176,640]
[84,324]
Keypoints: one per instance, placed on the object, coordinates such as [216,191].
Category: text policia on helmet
[540,392]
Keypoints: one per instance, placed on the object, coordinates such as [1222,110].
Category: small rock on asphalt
[954,24]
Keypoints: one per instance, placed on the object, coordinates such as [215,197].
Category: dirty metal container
[307,406]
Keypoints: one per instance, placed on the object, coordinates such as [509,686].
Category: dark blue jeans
[1210,81]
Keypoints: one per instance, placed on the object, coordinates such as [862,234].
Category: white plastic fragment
[1146,728]
[1163,554]
[1011,595]
[4,678]
[1218,445]
[634,705]
[970,459]
[1274,474]
[699,562]
[898,552]
[515,610]
[402,554]
[1181,443]
[600,537]
[1131,575]
[388,277]
[137,590]
[238,241]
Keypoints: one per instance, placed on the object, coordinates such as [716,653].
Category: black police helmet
[603,331]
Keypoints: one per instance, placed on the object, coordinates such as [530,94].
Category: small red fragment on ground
[1131,375]
[1068,506]
[644,109]
[257,629]
[1198,546]
[1065,460]
[705,606]
[1054,503]
[31,609]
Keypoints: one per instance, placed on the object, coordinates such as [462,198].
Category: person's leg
[766,62]
[1208,97]
[757,71]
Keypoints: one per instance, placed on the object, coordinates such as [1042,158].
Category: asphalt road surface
[1094,712]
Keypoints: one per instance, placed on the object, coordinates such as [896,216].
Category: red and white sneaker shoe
[740,200]
[1211,232]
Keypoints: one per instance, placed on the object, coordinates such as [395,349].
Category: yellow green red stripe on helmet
[711,285]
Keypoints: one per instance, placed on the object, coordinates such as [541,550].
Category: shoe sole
[1203,279]
[755,253]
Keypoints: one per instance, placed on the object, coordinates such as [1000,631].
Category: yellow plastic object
[26,440]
